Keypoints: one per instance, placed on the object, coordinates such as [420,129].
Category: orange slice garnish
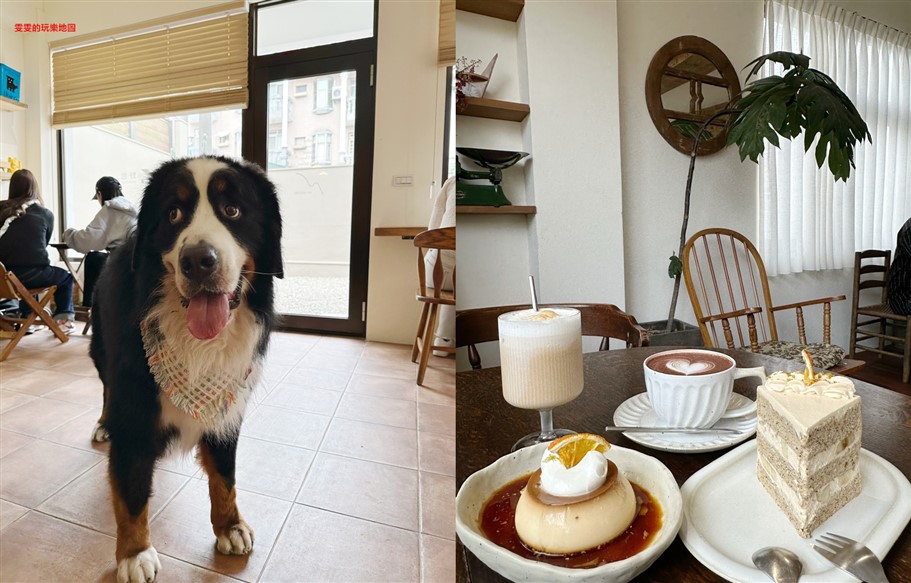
[570,449]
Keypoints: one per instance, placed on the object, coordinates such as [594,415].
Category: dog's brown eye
[231,211]
[175,215]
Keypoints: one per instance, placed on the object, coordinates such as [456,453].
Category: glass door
[313,133]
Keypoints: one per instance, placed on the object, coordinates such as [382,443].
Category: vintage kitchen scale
[481,194]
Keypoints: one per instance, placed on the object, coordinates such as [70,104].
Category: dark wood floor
[885,372]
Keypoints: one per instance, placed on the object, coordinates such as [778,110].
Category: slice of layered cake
[808,444]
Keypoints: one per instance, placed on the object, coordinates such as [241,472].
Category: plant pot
[681,334]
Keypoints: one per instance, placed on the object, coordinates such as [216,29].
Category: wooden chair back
[871,271]
[728,287]
[890,331]
[432,245]
[479,325]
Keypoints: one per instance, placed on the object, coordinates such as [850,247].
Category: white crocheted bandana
[206,398]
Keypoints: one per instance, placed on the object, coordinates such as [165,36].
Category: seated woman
[107,230]
[25,230]
[899,287]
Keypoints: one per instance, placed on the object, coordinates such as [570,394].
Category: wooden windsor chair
[728,287]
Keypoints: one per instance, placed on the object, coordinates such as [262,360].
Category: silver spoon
[781,565]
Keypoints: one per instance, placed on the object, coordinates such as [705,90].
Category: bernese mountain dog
[181,324]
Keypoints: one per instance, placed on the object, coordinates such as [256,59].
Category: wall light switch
[402,180]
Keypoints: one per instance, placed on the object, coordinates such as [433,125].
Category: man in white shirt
[108,229]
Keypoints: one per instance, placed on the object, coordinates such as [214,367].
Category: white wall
[409,124]
[410,103]
[493,250]
[654,174]
[560,59]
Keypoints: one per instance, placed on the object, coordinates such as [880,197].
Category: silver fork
[851,556]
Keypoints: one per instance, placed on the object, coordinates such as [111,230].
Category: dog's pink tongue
[207,315]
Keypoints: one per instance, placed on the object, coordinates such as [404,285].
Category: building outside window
[322,102]
[322,148]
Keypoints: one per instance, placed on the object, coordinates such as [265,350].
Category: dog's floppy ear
[271,259]
[147,221]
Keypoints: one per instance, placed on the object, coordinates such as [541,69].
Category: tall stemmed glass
[541,364]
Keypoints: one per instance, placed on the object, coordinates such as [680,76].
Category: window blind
[447,33]
[177,67]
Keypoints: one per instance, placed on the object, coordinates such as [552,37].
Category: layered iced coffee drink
[541,357]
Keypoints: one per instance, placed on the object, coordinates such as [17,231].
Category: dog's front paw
[100,434]
[140,568]
[237,540]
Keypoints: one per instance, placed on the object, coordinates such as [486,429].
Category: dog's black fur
[133,281]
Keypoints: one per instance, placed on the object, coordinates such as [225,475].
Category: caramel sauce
[498,523]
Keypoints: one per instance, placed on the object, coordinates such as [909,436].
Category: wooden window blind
[447,40]
[176,67]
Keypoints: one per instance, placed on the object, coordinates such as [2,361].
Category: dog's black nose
[197,262]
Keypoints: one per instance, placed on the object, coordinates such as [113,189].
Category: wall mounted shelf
[496,210]
[502,9]
[403,232]
[493,109]
[7,104]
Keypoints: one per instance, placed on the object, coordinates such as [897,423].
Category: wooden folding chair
[727,284]
[478,325]
[12,289]
[440,240]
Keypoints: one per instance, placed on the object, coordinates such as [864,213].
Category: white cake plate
[728,515]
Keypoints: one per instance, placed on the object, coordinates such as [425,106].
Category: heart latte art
[689,363]
[686,367]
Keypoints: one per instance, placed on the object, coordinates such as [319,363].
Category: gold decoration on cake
[808,377]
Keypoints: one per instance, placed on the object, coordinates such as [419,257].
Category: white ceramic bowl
[642,469]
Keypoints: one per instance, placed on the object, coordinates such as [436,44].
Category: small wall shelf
[493,109]
[7,104]
[496,210]
[403,232]
[502,9]
[5,175]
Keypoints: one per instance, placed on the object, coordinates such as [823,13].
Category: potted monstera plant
[802,100]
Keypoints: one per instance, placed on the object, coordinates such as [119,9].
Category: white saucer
[637,412]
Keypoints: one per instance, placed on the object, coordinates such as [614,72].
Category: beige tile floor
[345,471]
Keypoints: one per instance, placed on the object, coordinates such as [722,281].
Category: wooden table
[488,426]
[62,248]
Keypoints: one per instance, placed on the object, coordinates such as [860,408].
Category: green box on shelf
[9,82]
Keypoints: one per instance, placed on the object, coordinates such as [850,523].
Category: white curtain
[807,221]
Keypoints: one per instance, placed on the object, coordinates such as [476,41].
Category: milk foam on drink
[541,357]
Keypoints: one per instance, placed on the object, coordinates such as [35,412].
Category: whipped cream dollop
[823,385]
[586,476]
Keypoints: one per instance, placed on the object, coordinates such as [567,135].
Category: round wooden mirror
[688,80]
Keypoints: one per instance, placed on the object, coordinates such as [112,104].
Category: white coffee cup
[693,388]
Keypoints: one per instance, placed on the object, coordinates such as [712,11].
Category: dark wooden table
[488,426]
